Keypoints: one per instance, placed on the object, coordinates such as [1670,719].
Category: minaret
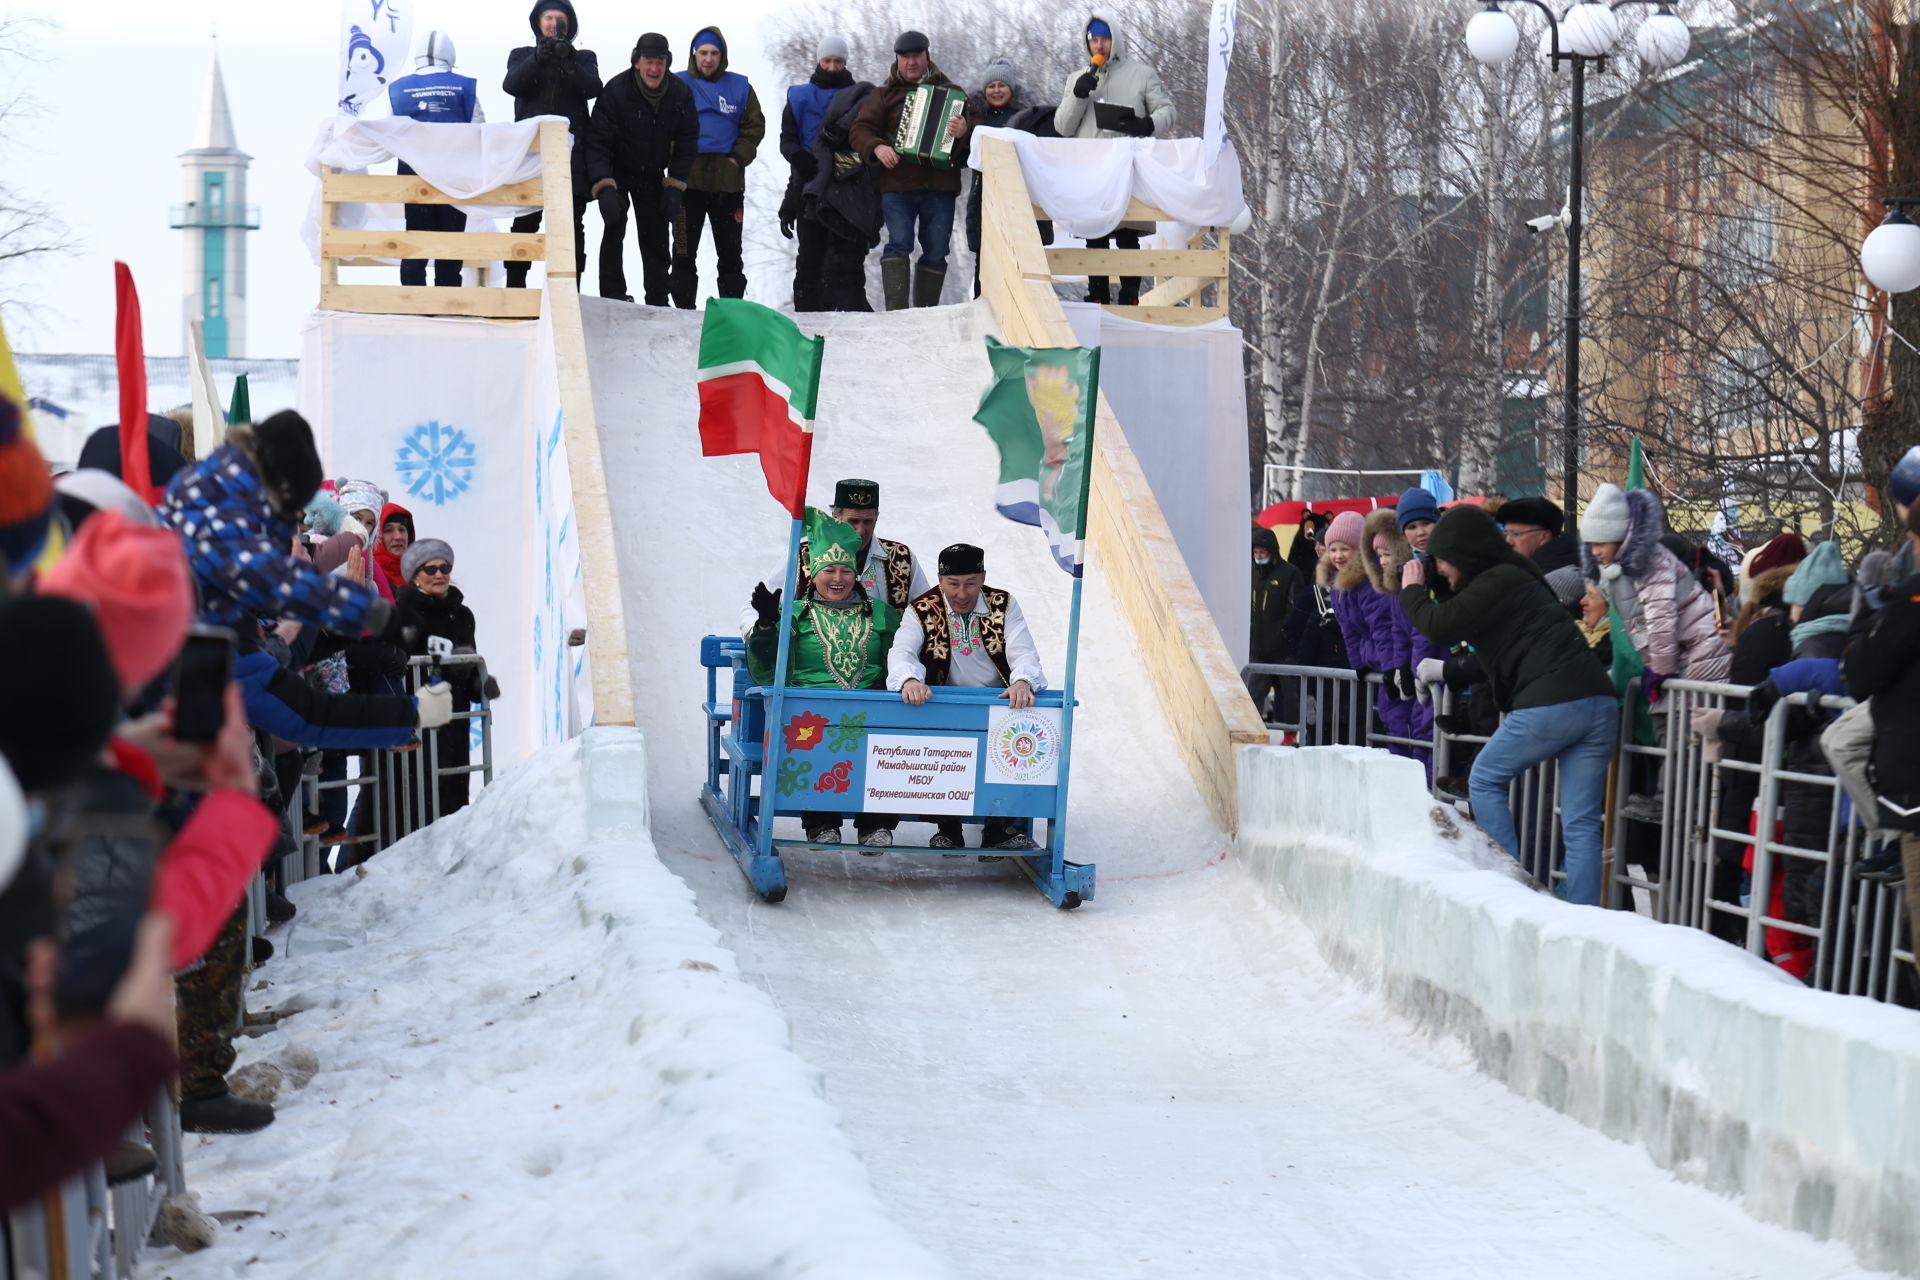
[216,218]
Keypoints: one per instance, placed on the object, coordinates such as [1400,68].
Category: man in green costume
[840,640]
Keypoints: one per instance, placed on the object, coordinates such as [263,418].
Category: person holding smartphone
[444,615]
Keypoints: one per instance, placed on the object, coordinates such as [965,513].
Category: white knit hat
[1606,517]
[830,47]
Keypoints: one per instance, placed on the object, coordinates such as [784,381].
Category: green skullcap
[829,541]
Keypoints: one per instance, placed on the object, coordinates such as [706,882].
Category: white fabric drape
[1084,183]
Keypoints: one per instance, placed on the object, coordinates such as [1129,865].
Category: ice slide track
[1168,1082]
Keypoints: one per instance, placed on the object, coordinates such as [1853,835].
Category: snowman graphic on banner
[374,35]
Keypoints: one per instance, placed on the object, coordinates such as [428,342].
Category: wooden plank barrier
[1183,274]
[559,300]
[1193,676]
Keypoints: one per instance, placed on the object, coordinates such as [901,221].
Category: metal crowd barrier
[401,784]
[1858,944]
[98,1230]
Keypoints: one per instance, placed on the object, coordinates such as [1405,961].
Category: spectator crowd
[667,152]
[1535,627]
[176,663]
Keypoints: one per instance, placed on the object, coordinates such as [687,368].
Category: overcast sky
[118,86]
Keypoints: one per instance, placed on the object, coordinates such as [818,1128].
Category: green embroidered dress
[833,648]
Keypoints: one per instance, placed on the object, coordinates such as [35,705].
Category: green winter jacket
[1527,643]
[807,664]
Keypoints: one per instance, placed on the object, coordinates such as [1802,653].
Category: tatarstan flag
[759,382]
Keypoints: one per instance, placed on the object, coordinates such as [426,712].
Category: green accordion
[924,115]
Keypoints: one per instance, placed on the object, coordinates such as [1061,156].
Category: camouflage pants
[209,1011]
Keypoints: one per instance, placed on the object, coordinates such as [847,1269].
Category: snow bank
[528,1056]
[1804,1106]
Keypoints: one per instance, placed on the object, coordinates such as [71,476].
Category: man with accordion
[913,129]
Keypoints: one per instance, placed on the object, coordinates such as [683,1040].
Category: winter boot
[225,1113]
[129,1161]
[1129,291]
[895,274]
[280,909]
[262,951]
[927,283]
[1097,290]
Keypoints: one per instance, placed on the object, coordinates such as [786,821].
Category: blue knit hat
[1823,568]
[1417,504]
[1098,27]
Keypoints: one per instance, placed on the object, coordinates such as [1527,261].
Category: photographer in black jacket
[552,78]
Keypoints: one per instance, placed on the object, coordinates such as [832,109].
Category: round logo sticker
[1024,748]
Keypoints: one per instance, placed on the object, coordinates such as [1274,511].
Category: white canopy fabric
[1084,183]
[461,159]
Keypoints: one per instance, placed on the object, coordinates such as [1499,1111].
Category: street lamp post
[1591,29]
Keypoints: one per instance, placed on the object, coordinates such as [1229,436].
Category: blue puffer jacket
[239,553]
[288,708]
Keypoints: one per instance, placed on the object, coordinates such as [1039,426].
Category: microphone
[1099,60]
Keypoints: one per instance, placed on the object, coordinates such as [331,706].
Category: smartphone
[200,677]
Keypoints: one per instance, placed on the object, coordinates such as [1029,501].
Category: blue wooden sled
[964,754]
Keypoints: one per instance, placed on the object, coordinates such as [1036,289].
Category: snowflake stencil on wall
[436,462]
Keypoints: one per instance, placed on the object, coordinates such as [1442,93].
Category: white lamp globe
[1492,37]
[1591,29]
[1891,255]
[1664,40]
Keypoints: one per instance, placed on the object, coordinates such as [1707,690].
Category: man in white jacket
[965,633]
[1114,80]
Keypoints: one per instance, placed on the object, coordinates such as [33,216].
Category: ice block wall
[1803,1105]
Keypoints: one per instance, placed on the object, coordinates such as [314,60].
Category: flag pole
[1057,832]
[776,703]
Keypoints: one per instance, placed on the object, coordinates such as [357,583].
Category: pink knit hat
[136,580]
[1348,527]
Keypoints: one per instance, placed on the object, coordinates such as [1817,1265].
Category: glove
[1422,691]
[786,227]
[766,607]
[1085,84]
[613,205]
[670,201]
[436,704]
[491,688]
[1706,722]
[1432,671]
[1400,684]
[563,50]
[1139,127]
[1652,683]
[546,49]
[806,166]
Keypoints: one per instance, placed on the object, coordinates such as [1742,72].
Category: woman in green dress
[839,640]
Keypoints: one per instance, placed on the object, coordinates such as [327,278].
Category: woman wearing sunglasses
[427,567]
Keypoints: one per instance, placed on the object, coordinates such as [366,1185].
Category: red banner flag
[130,357]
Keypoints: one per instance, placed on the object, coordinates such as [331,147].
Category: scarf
[1805,631]
[389,564]
[1596,633]
[653,96]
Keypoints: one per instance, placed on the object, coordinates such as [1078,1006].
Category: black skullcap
[961,558]
[652,45]
[59,693]
[911,42]
[856,495]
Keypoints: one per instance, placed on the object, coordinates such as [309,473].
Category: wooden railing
[1192,673]
[560,298]
[1184,275]
[341,248]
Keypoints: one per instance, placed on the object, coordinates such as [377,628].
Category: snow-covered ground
[1167,1082]
[529,1058]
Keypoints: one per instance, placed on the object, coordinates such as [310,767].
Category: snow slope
[1166,1082]
[530,1058]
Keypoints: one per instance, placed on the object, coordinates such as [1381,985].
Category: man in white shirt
[965,633]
